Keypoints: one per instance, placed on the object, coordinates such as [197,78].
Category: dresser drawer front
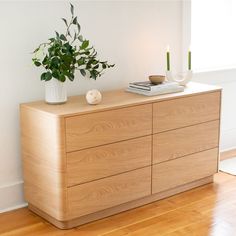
[99,162]
[108,192]
[184,170]
[107,127]
[180,142]
[187,111]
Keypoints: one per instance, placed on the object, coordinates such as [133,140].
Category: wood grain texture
[122,207]
[202,211]
[184,170]
[99,162]
[183,112]
[108,127]
[108,192]
[85,162]
[180,142]
[44,162]
[77,105]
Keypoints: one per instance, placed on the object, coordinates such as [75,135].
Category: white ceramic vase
[55,92]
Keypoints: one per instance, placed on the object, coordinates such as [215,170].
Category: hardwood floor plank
[126,218]
[200,228]
[209,210]
[12,220]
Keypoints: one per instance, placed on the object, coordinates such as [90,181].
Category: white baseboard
[11,197]
[228,149]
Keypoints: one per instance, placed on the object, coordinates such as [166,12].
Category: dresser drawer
[99,162]
[180,142]
[186,111]
[184,170]
[108,192]
[107,127]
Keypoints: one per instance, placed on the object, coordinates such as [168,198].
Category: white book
[147,86]
[175,89]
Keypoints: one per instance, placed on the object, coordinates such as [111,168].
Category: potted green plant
[62,55]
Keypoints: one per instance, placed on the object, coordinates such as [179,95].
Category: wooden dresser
[84,162]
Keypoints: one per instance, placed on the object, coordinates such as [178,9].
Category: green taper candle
[189,60]
[168,58]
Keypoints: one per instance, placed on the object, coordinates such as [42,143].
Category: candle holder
[180,78]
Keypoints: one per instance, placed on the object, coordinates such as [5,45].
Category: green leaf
[88,66]
[55,74]
[62,78]
[45,60]
[75,36]
[55,62]
[78,26]
[82,71]
[74,21]
[70,79]
[48,76]
[67,59]
[72,9]
[68,47]
[57,34]
[96,67]
[104,66]
[52,39]
[65,21]
[37,63]
[93,75]
[63,37]
[94,54]
[94,62]
[69,75]
[84,44]
[84,53]
[43,76]
[81,61]
[80,38]
[36,50]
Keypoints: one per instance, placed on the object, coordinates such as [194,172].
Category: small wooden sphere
[93,97]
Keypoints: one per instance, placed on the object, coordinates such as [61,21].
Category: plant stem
[67,30]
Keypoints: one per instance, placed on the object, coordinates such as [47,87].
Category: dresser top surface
[77,105]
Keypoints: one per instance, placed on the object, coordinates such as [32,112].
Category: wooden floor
[208,210]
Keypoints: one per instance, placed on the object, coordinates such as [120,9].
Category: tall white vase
[55,92]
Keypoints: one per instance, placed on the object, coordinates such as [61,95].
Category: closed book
[148,86]
[154,93]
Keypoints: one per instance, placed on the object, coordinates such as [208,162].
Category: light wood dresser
[83,162]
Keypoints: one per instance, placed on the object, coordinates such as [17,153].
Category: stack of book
[149,89]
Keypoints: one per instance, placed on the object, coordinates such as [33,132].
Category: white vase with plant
[62,55]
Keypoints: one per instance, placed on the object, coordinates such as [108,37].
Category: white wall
[223,78]
[227,80]
[131,34]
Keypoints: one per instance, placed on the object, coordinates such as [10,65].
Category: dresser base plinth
[117,209]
